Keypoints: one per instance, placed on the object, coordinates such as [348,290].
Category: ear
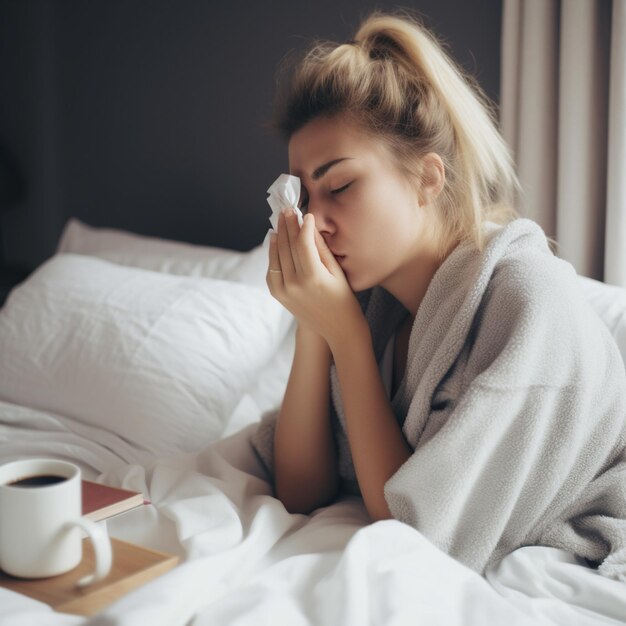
[432,178]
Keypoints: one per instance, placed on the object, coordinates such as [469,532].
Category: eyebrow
[322,169]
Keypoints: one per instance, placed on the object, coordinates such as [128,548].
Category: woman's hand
[305,278]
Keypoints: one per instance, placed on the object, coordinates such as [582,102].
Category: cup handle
[101,548]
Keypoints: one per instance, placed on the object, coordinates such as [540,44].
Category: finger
[307,250]
[293,233]
[284,250]
[274,276]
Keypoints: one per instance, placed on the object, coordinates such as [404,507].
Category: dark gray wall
[146,115]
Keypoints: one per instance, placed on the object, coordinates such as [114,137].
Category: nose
[323,221]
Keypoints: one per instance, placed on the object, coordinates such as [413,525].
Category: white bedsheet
[247,561]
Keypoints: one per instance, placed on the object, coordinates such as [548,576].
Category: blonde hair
[398,84]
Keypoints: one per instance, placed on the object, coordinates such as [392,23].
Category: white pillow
[186,259]
[157,359]
[162,255]
[609,302]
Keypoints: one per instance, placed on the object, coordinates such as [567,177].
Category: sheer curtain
[563,113]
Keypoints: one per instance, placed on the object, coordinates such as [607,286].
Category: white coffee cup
[40,525]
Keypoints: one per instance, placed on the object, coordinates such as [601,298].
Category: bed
[148,363]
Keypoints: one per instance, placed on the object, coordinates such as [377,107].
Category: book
[132,566]
[101,501]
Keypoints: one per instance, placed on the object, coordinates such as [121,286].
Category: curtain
[563,114]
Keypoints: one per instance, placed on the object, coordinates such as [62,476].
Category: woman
[447,368]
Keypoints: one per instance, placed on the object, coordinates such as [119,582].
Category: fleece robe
[514,403]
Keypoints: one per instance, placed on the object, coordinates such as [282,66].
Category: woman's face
[367,212]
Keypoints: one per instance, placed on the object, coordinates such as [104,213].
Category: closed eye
[304,200]
[341,188]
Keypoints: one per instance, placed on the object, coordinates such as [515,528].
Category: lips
[338,257]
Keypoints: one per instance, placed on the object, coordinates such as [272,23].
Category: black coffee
[38,481]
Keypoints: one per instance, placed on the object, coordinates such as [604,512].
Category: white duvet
[245,560]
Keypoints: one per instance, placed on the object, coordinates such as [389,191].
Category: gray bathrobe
[514,402]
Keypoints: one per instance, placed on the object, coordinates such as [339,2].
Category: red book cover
[101,501]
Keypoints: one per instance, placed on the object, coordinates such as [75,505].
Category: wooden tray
[132,566]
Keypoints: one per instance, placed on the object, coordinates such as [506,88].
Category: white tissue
[284,192]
